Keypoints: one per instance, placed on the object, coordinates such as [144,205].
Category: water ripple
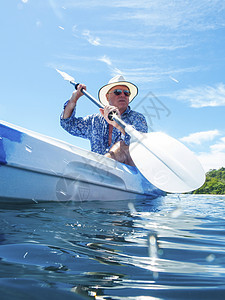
[170,249]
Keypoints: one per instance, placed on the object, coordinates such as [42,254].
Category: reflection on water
[167,248]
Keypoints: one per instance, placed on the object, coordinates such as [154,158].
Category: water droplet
[210,258]
[132,208]
[153,245]
[155,275]
[28,148]
[152,240]
[92,294]
[25,254]
[176,213]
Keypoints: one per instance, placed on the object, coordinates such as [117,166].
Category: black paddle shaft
[112,115]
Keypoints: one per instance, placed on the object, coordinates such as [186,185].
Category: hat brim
[104,90]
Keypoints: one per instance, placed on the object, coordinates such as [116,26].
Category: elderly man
[106,136]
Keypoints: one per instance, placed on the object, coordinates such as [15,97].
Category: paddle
[163,160]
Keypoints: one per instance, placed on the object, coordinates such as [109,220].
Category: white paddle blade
[165,162]
[65,75]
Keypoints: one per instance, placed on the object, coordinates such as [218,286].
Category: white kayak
[35,168]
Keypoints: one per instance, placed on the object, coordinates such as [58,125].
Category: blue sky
[172,50]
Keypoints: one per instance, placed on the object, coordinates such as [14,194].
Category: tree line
[214,184]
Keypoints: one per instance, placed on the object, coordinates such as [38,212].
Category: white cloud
[212,160]
[215,158]
[113,70]
[139,42]
[147,39]
[199,137]
[199,16]
[95,41]
[106,60]
[179,15]
[219,146]
[75,30]
[150,74]
[203,96]
[116,71]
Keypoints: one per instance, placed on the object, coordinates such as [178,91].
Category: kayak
[35,168]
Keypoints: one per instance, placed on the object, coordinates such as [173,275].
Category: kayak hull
[35,168]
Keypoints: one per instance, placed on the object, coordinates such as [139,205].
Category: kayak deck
[34,168]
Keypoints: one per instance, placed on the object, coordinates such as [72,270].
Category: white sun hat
[117,80]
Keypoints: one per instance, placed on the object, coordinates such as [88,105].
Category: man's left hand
[106,111]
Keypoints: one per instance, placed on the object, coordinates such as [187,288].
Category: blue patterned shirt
[96,129]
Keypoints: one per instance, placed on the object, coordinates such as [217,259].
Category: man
[106,136]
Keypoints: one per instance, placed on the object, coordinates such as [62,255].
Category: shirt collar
[126,111]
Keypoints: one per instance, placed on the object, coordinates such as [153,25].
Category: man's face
[120,101]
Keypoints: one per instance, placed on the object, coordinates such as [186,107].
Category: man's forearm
[68,110]
[119,128]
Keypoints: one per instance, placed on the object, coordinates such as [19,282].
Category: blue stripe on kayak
[10,134]
[2,154]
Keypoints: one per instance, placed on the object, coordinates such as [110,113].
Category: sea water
[172,247]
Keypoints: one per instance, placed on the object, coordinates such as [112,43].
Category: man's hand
[77,94]
[108,109]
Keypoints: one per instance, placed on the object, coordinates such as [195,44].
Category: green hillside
[214,184]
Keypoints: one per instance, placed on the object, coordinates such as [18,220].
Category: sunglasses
[118,92]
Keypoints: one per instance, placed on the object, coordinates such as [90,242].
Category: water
[169,248]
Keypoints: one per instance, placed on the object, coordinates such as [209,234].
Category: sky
[172,50]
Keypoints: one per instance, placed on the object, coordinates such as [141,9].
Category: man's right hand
[73,100]
[78,93]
